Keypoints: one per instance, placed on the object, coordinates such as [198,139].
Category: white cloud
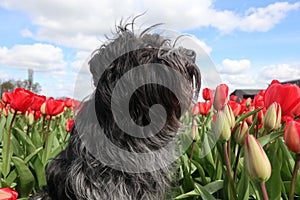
[39,57]
[229,66]
[263,19]
[81,24]
[281,72]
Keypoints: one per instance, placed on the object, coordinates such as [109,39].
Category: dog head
[137,71]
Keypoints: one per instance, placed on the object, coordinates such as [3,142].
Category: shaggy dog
[102,159]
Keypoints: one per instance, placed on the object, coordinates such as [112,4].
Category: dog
[97,162]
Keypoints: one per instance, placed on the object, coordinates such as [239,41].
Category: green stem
[294,177]
[227,162]
[46,141]
[8,140]
[264,191]
[236,164]
[193,146]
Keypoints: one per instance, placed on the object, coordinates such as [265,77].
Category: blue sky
[249,42]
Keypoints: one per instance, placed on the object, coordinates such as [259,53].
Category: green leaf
[39,171]
[6,154]
[273,185]
[203,192]
[2,125]
[214,186]
[244,116]
[22,136]
[188,194]
[243,186]
[270,137]
[26,179]
[32,154]
[201,172]
[188,183]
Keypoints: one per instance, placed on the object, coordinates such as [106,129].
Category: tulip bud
[29,115]
[222,127]
[43,108]
[229,115]
[195,110]
[195,132]
[256,161]
[241,133]
[220,97]
[292,136]
[272,118]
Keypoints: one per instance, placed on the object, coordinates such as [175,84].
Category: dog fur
[76,173]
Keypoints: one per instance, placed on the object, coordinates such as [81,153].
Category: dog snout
[191,54]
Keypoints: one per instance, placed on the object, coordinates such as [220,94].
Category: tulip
[37,114]
[229,115]
[233,97]
[21,99]
[221,96]
[236,107]
[38,101]
[204,107]
[6,96]
[54,107]
[206,94]
[69,124]
[272,119]
[69,102]
[287,95]
[43,108]
[258,101]
[195,132]
[222,126]
[8,194]
[256,161]
[195,110]
[241,133]
[29,116]
[296,110]
[292,136]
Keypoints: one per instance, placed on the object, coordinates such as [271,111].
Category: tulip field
[239,148]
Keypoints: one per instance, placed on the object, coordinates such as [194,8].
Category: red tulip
[69,124]
[37,114]
[258,101]
[236,107]
[287,95]
[221,96]
[54,107]
[292,136]
[21,99]
[275,82]
[69,102]
[233,97]
[296,110]
[6,96]
[204,107]
[38,101]
[8,194]
[206,94]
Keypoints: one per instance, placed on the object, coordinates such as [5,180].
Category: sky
[248,42]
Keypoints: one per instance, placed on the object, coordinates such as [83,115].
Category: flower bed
[239,148]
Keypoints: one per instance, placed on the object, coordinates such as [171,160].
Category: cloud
[263,19]
[281,72]
[229,66]
[39,57]
[82,24]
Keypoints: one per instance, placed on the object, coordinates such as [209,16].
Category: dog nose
[191,54]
